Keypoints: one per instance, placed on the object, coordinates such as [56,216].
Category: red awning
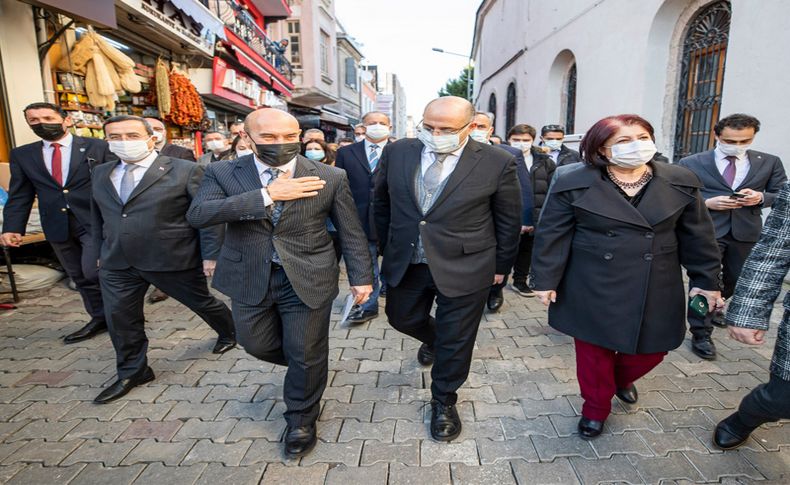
[253,66]
[273,8]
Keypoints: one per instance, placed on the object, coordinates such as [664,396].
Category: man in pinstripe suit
[278,263]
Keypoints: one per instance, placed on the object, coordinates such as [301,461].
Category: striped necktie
[373,157]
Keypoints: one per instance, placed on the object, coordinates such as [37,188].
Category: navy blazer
[525,181]
[354,161]
[766,174]
[30,178]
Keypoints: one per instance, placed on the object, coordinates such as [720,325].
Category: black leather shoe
[703,347]
[445,423]
[628,394]
[156,296]
[121,387]
[94,327]
[425,355]
[718,319]
[589,428]
[223,345]
[299,440]
[362,316]
[731,432]
[495,300]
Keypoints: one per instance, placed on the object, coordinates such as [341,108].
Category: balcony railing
[241,23]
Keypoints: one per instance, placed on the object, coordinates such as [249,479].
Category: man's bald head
[449,115]
[459,108]
[270,125]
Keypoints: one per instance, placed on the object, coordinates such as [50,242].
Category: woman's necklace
[645,178]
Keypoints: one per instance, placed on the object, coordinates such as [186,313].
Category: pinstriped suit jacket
[230,194]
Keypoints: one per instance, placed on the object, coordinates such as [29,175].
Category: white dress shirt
[529,160]
[742,166]
[380,145]
[266,177]
[428,157]
[65,154]
[142,167]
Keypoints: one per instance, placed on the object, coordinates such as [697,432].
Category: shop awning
[203,15]
[250,64]
[273,9]
[334,118]
[99,14]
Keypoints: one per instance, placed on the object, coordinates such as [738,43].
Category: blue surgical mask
[553,144]
[479,135]
[315,155]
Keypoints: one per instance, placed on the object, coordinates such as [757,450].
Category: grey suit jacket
[150,232]
[766,175]
[231,194]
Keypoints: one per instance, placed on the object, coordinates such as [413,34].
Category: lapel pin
[82,149]
[162,168]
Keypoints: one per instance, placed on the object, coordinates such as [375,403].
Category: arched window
[492,105]
[570,100]
[510,107]
[701,79]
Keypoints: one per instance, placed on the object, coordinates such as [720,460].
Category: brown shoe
[156,296]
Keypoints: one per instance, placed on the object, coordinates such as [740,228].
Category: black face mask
[277,154]
[48,131]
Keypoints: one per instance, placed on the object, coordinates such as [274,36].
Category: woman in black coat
[607,259]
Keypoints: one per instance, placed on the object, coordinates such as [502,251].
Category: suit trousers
[766,403]
[733,256]
[284,331]
[78,258]
[451,334]
[372,305]
[522,264]
[124,297]
[602,371]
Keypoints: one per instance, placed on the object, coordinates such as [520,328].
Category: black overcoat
[617,268]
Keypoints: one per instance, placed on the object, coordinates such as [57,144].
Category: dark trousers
[451,334]
[766,403]
[124,297]
[522,264]
[602,371]
[284,331]
[78,258]
[733,256]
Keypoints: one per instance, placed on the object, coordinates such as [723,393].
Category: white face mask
[479,135]
[241,153]
[439,143]
[359,138]
[738,151]
[553,144]
[524,146]
[158,137]
[634,154]
[377,132]
[215,145]
[130,150]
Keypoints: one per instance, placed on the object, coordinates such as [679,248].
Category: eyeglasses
[441,131]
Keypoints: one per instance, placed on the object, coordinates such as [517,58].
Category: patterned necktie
[57,164]
[729,170]
[433,176]
[127,181]
[277,208]
[373,157]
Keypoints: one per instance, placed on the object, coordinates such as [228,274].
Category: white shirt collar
[262,167]
[380,144]
[63,142]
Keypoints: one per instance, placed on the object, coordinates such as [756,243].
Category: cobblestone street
[219,420]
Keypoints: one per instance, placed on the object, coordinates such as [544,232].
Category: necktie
[127,181]
[433,176]
[729,170]
[57,164]
[373,157]
[277,208]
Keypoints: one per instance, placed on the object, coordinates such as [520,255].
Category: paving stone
[229,454]
[494,451]
[514,428]
[661,469]
[339,394]
[663,443]
[352,475]
[510,409]
[691,399]
[45,377]
[354,430]
[367,393]
[139,410]
[500,474]
[771,438]
[96,473]
[564,425]
[419,475]
[150,451]
[217,473]
[227,393]
[41,429]
[85,410]
[508,392]
[639,420]
[50,453]
[158,430]
[251,410]
[346,453]
[550,448]
[387,379]
[343,378]
[773,465]
[263,451]
[8,471]
[37,474]
[630,442]
[278,474]
[616,469]
[715,466]
[384,411]
[156,473]
[361,411]
[407,453]
[432,452]
[560,405]
[558,471]
[7,449]
[205,411]
[674,420]
[248,429]
[95,429]
[181,393]
[39,410]
[109,454]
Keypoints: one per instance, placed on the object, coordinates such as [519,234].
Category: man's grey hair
[488,115]
[120,118]
[374,113]
[312,130]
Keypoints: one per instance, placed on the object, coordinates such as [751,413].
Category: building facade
[391,99]
[681,64]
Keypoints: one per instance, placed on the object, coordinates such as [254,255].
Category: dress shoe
[383,292]
[445,423]
[628,394]
[731,432]
[299,440]
[589,428]
[156,296]
[425,355]
[223,345]
[362,316]
[703,347]
[94,327]
[521,288]
[121,387]
[718,319]
[495,300]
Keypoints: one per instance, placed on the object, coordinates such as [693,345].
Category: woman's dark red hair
[604,129]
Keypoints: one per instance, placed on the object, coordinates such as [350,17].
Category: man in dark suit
[738,184]
[277,262]
[551,137]
[482,134]
[145,196]
[448,216]
[57,170]
[360,161]
[163,147]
